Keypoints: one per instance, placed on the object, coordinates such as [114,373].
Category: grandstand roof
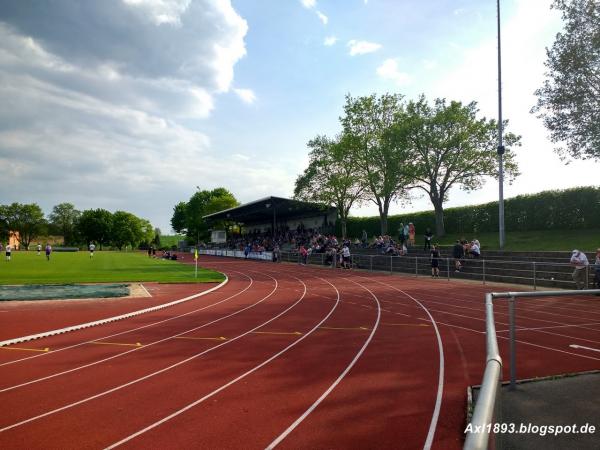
[265,209]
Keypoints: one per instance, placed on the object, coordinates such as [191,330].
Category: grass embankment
[105,267]
[530,241]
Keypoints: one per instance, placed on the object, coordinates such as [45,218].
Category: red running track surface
[283,356]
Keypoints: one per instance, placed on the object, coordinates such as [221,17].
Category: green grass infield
[106,267]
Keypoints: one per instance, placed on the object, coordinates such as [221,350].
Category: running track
[281,356]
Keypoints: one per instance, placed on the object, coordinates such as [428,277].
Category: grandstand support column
[448,267]
[483,269]
[534,280]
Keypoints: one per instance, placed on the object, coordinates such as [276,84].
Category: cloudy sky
[131,104]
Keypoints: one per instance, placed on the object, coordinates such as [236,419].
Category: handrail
[487,411]
[485,407]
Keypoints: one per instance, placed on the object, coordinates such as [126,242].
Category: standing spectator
[435,262]
[92,247]
[276,253]
[150,252]
[39,249]
[303,255]
[247,250]
[401,237]
[346,257]
[580,261]
[48,251]
[405,231]
[428,236]
[411,234]
[458,252]
[365,239]
[8,252]
[597,269]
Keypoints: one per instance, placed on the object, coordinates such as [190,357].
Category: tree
[95,225]
[450,147]
[4,227]
[330,177]
[63,217]
[157,235]
[179,219]
[147,237]
[383,162]
[126,229]
[25,219]
[569,99]
[203,203]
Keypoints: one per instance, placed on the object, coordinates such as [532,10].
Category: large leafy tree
[188,217]
[126,229]
[569,100]
[63,218]
[25,219]
[382,161]
[450,146]
[95,225]
[330,177]
[179,219]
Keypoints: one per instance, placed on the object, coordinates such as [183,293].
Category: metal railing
[531,273]
[487,410]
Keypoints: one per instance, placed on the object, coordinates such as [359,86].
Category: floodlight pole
[500,143]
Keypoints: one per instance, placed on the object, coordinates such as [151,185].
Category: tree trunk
[440,230]
[384,222]
[344,229]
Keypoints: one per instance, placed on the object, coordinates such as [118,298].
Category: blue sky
[131,104]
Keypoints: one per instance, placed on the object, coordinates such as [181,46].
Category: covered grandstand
[276,214]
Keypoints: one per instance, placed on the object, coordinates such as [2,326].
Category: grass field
[105,267]
[544,240]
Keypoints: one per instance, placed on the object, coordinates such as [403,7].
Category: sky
[134,104]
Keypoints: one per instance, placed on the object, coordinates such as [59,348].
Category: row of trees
[118,229]
[188,216]
[389,147]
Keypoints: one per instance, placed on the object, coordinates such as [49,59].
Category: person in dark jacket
[458,252]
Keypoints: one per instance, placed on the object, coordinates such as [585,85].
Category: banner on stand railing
[263,256]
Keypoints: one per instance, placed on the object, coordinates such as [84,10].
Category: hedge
[569,209]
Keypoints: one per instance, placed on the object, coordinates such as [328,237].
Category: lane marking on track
[244,375]
[585,348]
[295,333]
[406,324]
[137,344]
[345,328]
[440,389]
[172,366]
[42,350]
[306,413]
[551,327]
[220,338]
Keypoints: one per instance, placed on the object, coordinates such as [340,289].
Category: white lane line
[110,319]
[144,288]
[74,369]
[235,380]
[551,327]
[584,348]
[440,390]
[306,413]
[138,328]
[152,374]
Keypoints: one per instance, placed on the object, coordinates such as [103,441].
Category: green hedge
[570,209]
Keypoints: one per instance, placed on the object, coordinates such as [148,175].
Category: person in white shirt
[92,248]
[346,256]
[580,261]
[8,252]
[39,249]
[475,250]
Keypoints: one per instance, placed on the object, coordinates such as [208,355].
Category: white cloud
[362,47]
[91,109]
[329,41]
[309,3]
[322,17]
[389,70]
[429,64]
[247,95]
